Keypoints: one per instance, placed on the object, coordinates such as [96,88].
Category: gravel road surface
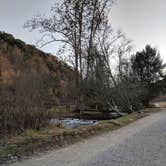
[142,143]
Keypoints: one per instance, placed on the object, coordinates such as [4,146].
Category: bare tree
[75,23]
[84,28]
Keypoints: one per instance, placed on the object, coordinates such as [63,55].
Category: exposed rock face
[18,58]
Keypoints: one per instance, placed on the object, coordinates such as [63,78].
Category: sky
[143,21]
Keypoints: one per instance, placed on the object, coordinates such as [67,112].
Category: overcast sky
[143,21]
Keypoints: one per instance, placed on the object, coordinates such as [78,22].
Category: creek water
[73,123]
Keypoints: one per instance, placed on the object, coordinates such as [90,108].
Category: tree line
[84,29]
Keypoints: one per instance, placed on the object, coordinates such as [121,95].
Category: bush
[27,56]
[11,40]
[129,96]
[22,105]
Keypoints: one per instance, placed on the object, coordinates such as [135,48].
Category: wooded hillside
[18,59]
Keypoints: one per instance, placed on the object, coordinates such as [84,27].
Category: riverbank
[33,142]
[139,143]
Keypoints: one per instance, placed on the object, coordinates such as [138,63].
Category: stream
[73,123]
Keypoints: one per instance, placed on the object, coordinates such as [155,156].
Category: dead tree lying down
[114,108]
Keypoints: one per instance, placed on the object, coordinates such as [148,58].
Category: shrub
[11,40]
[22,105]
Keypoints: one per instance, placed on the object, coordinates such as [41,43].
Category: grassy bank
[33,141]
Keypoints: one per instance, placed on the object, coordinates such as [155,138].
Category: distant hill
[18,58]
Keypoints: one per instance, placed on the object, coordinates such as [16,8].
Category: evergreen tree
[147,65]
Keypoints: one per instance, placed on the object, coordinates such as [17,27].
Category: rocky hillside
[18,58]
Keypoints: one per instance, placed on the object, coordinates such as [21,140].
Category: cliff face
[18,58]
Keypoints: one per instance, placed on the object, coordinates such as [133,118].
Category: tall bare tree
[75,23]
